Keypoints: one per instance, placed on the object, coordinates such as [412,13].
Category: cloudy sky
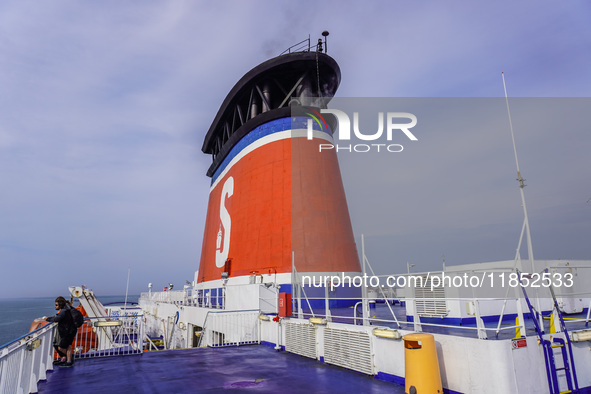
[104,107]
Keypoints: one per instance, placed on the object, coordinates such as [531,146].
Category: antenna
[520,180]
[525,228]
[127,290]
[325,34]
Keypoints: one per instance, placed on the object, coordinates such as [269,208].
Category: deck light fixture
[110,323]
[317,320]
[580,336]
[34,344]
[386,333]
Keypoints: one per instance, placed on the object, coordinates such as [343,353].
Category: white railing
[110,336]
[204,298]
[24,361]
[173,297]
[223,328]
[481,296]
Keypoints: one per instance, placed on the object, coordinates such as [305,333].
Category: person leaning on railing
[66,330]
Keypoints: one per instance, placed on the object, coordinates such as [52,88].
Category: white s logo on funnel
[221,253]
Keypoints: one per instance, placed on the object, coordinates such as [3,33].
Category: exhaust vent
[348,349]
[300,339]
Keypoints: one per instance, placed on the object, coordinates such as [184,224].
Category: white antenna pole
[530,251]
[365,301]
[126,291]
[521,181]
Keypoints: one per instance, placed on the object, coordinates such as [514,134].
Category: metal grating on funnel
[348,349]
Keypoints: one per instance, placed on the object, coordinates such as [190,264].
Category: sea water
[17,314]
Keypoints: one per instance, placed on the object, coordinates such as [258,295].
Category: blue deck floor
[256,368]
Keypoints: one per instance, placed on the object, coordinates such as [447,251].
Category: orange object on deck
[85,340]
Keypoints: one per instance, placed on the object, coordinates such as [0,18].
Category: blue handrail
[45,327]
[568,359]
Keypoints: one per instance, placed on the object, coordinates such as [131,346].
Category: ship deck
[256,367]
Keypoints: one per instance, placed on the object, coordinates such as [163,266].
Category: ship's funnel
[272,190]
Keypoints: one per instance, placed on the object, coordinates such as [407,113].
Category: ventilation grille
[434,305]
[348,349]
[300,339]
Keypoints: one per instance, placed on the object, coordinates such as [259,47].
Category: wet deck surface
[247,368]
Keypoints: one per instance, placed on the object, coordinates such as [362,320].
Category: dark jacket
[65,322]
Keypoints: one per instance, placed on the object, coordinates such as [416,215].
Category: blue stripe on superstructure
[386,377]
[272,345]
[272,127]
